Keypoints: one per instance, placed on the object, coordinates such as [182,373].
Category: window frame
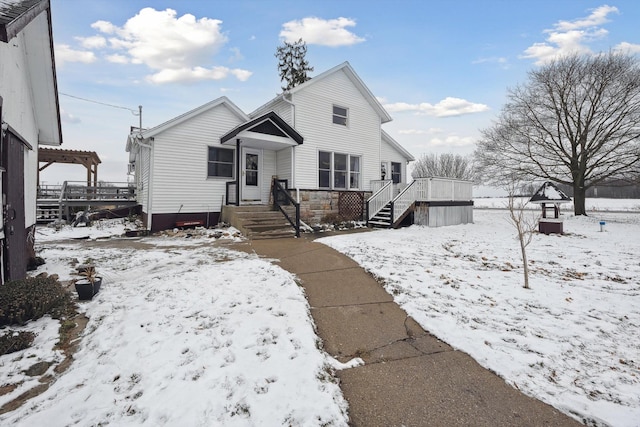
[329,170]
[337,116]
[218,162]
[348,172]
[358,172]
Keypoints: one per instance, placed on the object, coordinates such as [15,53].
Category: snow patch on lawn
[190,333]
[571,341]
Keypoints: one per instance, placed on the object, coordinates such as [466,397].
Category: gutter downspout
[293,147]
[150,181]
[238,172]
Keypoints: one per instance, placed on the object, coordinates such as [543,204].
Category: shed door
[15,243]
[251,175]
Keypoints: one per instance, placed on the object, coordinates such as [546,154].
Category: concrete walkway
[410,378]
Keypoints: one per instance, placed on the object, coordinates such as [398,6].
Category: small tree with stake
[525,226]
[292,64]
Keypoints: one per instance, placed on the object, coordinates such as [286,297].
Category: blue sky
[440,68]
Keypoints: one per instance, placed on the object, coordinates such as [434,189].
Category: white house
[30,117]
[322,139]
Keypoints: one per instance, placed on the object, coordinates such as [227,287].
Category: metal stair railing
[282,197]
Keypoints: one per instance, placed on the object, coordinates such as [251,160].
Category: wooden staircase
[383,219]
[258,221]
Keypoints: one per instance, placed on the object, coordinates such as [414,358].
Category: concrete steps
[259,221]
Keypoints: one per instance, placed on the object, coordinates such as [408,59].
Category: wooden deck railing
[380,198]
[419,190]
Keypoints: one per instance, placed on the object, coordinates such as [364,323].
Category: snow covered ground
[571,340]
[184,331]
[592,205]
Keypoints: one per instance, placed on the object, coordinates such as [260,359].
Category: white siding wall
[390,154]
[268,171]
[314,110]
[180,182]
[143,169]
[17,110]
[283,161]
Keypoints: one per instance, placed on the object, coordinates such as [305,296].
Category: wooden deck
[54,202]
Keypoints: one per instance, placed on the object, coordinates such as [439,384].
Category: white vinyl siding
[268,171]
[283,162]
[19,112]
[180,181]
[361,138]
[390,155]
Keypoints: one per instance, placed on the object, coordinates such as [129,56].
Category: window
[354,172]
[324,169]
[220,162]
[339,115]
[396,174]
[338,171]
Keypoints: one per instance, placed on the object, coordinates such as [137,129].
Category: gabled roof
[15,17]
[389,140]
[148,133]
[268,124]
[351,74]
[16,14]
[549,193]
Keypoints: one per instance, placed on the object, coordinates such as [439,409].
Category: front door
[251,162]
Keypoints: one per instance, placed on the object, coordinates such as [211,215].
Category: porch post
[238,172]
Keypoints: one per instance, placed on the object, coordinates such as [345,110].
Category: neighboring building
[322,138]
[30,117]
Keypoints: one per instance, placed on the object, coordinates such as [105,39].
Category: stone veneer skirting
[318,204]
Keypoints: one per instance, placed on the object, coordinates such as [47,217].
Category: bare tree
[525,224]
[576,122]
[444,165]
[292,64]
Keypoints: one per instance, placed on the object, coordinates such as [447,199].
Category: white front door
[251,180]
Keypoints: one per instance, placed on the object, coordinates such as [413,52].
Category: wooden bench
[192,223]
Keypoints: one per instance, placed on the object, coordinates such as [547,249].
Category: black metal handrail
[282,197]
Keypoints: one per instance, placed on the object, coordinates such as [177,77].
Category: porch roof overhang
[268,131]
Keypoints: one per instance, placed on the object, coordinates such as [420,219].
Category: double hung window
[340,115]
[220,162]
[339,171]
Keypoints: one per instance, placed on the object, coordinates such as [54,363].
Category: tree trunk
[579,193]
[525,263]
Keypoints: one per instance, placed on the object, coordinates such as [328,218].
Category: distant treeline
[610,190]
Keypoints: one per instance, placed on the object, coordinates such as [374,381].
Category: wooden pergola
[89,159]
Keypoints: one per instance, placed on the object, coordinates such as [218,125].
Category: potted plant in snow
[90,283]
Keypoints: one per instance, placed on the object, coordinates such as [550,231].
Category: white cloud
[568,37]
[64,53]
[68,117]
[93,42]
[448,107]
[598,17]
[118,59]
[325,32]
[500,60]
[429,131]
[236,55]
[628,48]
[177,49]
[189,75]
[453,141]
